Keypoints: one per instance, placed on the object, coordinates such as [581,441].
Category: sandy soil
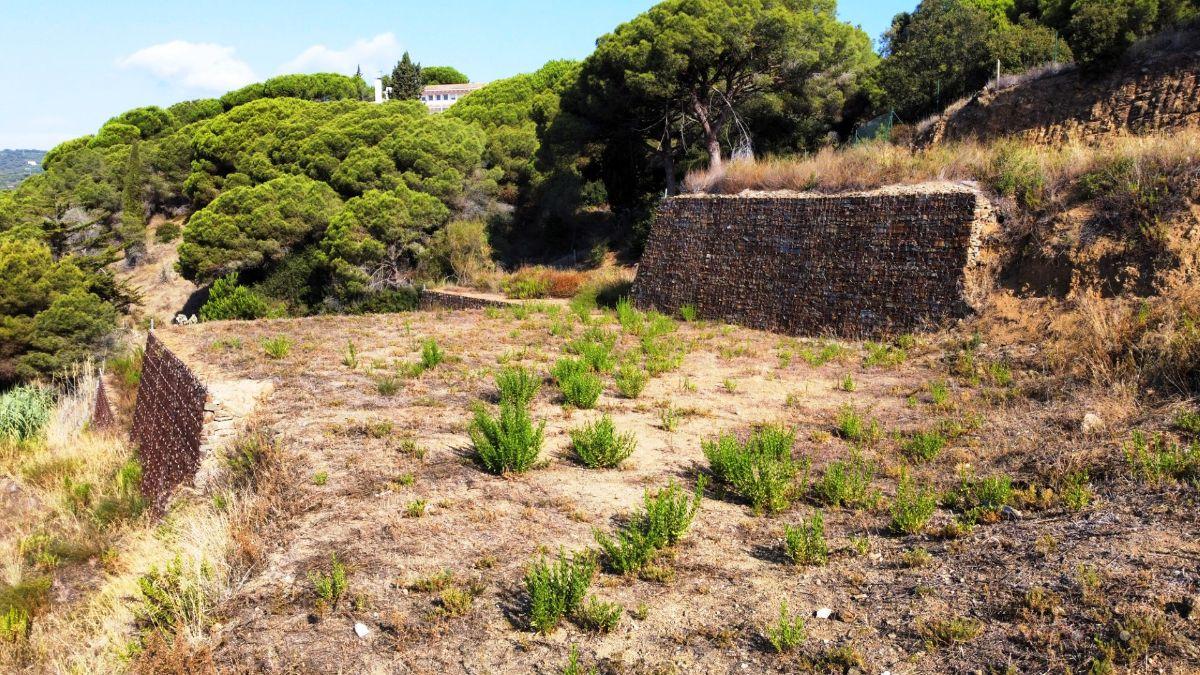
[729,575]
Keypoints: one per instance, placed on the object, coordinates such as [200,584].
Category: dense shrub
[580,387]
[665,517]
[517,386]
[509,443]
[227,300]
[557,588]
[760,470]
[598,445]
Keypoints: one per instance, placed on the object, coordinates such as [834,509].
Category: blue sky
[71,64]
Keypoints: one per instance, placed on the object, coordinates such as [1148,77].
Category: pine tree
[406,81]
[132,230]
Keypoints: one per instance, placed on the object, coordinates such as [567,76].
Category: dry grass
[95,544]
[872,165]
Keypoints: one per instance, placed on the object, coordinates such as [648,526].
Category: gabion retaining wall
[103,418]
[168,422]
[806,264]
[430,299]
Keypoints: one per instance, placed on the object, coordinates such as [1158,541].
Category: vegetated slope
[1155,87]
[17,165]
[436,548]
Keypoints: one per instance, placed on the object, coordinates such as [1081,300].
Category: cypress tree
[132,230]
[406,80]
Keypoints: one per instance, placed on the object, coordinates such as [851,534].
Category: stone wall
[168,422]
[852,264]
[435,299]
[1155,89]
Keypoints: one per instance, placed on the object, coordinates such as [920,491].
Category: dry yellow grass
[872,165]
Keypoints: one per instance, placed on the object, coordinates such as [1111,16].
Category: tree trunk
[714,151]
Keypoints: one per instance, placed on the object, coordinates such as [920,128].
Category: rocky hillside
[1157,87]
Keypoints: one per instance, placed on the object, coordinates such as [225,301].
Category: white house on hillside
[438,97]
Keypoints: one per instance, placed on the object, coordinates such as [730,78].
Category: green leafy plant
[598,445]
[688,313]
[329,586]
[761,470]
[14,624]
[913,506]
[1155,460]
[277,347]
[1076,491]
[320,478]
[556,588]
[665,517]
[595,348]
[980,498]
[885,355]
[579,386]
[227,300]
[788,632]
[856,428]
[631,380]
[924,445]
[598,616]
[847,384]
[517,386]
[431,354]
[848,483]
[387,385]
[350,357]
[510,443]
[805,543]
[24,412]
[170,597]
[415,508]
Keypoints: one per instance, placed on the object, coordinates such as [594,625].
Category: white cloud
[198,65]
[378,53]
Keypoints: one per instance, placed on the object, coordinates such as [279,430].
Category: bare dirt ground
[1051,588]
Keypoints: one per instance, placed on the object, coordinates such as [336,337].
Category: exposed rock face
[852,264]
[1155,90]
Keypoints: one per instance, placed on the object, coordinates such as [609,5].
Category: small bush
[788,633]
[688,313]
[526,284]
[167,232]
[631,320]
[598,616]
[277,347]
[949,632]
[854,427]
[1187,422]
[24,413]
[350,357]
[761,470]
[848,483]
[980,498]
[431,354]
[1156,460]
[913,506]
[665,517]
[557,588]
[579,386]
[805,544]
[517,386]
[595,348]
[631,380]
[884,355]
[1076,491]
[510,443]
[169,597]
[924,445]
[227,300]
[14,625]
[598,445]
[329,587]
[387,385]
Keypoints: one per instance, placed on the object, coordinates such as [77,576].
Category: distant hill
[17,165]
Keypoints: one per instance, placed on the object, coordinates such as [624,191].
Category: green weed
[510,443]
[598,445]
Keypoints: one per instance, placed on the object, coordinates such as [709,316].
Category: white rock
[1091,422]
[824,613]
[361,630]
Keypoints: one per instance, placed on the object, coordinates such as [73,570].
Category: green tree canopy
[375,241]
[253,228]
[316,87]
[442,75]
[49,314]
